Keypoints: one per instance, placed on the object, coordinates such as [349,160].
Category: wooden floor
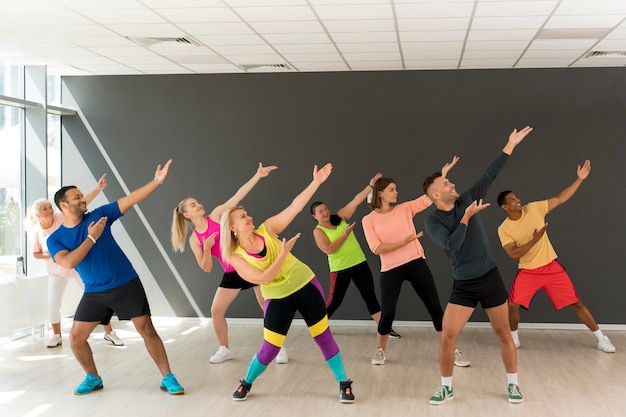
[561,374]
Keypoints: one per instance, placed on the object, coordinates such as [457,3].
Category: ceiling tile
[243,49]
[544,63]
[368,47]
[412,25]
[199,15]
[123,51]
[515,8]
[456,47]
[210,40]
[503,35]
[287,27]
[431,64]
[611,45]
[508,54]
[280,38]
[551,53]
[134,16]
[413,55]
[434,10]
[496,45]
[326,57]
[524,22]
[156,30]
[583,21]
[364,37]
[275,14]
[562,44]
[225,28]
[586,7]
[376,65]
[374,56]
[365,25]
[311,48]
[488,63]
[433,36]
[354,12]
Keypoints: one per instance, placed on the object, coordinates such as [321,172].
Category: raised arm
[276,224]
[100,186]
[255,275]
[348,210]
[142,193]
[448,166]
[515,138]
[581,174]
[242,192]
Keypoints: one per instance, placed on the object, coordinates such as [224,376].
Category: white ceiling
[75,37]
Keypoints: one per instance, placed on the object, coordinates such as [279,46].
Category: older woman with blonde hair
[287,284]
[204,243]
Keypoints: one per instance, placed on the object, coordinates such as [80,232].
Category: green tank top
[349,254]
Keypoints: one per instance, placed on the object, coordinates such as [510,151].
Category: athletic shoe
[55,341]
[113,338]
[91,383]
[171,385]
[394,335]
[345,392]
[379,357]
[442,395]
[282,356]
[515,395]
[222,354]
[459,360]
[242,392]
[604,345]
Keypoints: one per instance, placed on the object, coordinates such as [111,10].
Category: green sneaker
[442,395]
[515,395]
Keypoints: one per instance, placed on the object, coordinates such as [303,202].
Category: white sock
[515,334]
[512,378]
[447,381]
[599,335]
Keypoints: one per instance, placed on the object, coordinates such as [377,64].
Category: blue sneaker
[171,385]
[91,383]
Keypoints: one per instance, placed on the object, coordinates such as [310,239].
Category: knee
[577,305]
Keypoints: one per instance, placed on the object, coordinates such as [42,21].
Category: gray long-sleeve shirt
[467,246]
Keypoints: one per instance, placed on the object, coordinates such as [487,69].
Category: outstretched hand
[322,174]
[210,241]
[265,171]
[476,207]
[95,229]
[538,233]
[516,137]
[102,182]
[448,166]
[583,172]
[374,179]
[287,245]
[161,172]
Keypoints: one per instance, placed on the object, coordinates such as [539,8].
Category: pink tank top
[213,227]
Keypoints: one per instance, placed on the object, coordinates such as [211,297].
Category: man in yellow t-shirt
[524,238]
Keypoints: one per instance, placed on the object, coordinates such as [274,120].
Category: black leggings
[339,282]
[420,277]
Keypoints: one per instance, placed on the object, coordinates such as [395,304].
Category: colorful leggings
[279,314]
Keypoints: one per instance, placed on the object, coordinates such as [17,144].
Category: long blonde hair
[228,239]
[180,226]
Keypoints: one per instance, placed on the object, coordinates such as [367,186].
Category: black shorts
[232,280]
[488,289]
[128,301]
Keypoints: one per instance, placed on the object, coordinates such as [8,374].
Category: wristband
[93,239]
[158,181]
[370,185]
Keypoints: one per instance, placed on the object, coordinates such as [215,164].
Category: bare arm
[276,224]
[256,276]
[348,210]
[203,256]
[388,247]
[516,252]
[242,192]
[100,186]
[142,193]
[69,259]
[582,174]
[325,245]
[449,165]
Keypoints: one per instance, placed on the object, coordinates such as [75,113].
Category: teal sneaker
[91,383]
[442,395]
[171,385]
[515,395]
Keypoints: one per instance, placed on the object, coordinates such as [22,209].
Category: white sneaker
[282,356]
[605,345]
[113,338]
[55,341]
[379,357]
[459,360]
[222,355]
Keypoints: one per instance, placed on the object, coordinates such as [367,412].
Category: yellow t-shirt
[293,275]
[521,231]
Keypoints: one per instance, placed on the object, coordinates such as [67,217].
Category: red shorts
[552,278]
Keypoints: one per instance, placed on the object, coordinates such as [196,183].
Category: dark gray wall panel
[404,124]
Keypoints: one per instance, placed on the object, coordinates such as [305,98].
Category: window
[54,155]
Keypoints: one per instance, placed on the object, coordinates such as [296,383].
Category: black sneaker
[345,392]
[394,335]
[242,392]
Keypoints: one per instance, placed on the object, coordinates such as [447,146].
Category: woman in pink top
[204,243]
[44,222]
[390,233]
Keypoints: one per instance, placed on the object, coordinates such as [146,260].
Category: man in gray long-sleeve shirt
[456,227]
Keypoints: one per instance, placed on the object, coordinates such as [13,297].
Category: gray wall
[404,124]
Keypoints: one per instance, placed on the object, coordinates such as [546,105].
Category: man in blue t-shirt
[85,242]
[456,227]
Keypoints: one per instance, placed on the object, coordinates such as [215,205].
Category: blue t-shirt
[105,266]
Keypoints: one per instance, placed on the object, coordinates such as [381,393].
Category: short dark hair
[430,180]
[334,219]
[60,195]
[502,197]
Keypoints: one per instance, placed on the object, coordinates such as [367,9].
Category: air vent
[150,42]
[606,54]
[265,67]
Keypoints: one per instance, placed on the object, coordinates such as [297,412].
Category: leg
[584,315]
[499,318]
[221,301]
[514,316]
[82,351]
[259,297]
[56,288]
[390,286]
[339,283]
[153,342]
[454,318]
[422,281]
[364,282]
